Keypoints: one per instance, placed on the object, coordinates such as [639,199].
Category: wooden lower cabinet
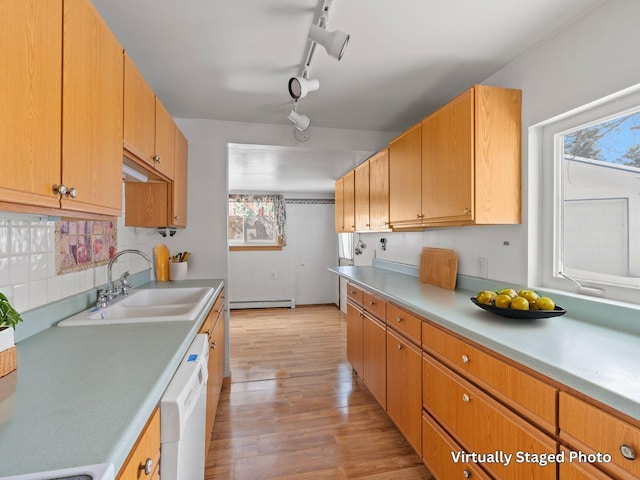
[404,388]
[438,449]
[213,326]
[374,358]
[145,451]
[603,433]
[480,424]
[354,337]
[574,470]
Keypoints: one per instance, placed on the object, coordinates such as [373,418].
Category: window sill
[256,248]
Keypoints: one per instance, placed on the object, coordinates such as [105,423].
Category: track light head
[333,42]
[300,121]
[300,86]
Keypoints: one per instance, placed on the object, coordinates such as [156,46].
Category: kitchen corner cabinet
[405,175]
[345,203]
[51,140]
[213,327]
[92,106]
[471,162]
[145,453]
[157,203]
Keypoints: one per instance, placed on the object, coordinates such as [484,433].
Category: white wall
[593,57]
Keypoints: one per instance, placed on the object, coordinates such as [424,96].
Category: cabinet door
[165,141]
[578,470]
[339,205]
[30,104]
[379,191]
[139,114]
[361,201]
[92,105]
[405,177]
[374,353]
[147,447]
[179,215]
[447,161]
[404,388]
[354,338]
[349,188]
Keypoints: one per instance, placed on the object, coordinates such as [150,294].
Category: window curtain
[270,206]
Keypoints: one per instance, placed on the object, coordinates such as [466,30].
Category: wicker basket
[8,361]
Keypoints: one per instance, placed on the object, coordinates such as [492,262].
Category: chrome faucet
[105,296]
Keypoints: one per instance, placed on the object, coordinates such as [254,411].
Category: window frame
[274,245]
[547,146]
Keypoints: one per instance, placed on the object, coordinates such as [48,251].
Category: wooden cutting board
[439,267]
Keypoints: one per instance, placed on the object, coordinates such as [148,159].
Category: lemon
[503,301]
[508,291]
[545,303]
[486,296]
[520,303]
[528,294]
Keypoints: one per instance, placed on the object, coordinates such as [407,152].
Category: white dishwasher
[183,412]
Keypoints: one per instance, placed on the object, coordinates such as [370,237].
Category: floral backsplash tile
[82,244]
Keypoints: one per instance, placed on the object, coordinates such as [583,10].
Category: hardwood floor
[294,409]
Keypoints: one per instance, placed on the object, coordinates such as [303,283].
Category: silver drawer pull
[627,452]
[465,359]
[372,303]
[400,347]
[399,319]
[465,398]
[148,465]
[466,474]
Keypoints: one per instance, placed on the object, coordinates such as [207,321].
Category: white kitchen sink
[103,471]
[146,306]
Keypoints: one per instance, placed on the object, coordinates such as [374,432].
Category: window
[256,222]
[345,246]
[591,200]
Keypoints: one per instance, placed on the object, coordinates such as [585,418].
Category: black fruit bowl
[512,313]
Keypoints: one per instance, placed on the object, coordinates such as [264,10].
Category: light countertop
[84,394]
[598,361]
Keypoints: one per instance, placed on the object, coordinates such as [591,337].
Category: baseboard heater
[237,305]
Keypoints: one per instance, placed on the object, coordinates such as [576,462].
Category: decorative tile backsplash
[28,275]
[82,244]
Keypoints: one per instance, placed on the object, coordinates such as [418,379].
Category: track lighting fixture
[333,42]
[300,121]
[300,86]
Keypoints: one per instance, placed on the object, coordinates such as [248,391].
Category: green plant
[9,317]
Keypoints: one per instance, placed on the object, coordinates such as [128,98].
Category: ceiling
[231,60]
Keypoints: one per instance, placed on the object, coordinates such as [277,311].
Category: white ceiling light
[300,121]
[300,86]
[333,42]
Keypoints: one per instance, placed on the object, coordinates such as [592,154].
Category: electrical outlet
[482,267]
[272,275]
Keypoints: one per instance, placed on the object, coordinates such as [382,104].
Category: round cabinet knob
[372,303]
[465,398]
[466,474]
[73,193]
[400,347]
[628,452]
[399,319]
[214,345]
[465,359]
[177,217]
[156,159]
[147,467]
[466,211]
[64,191]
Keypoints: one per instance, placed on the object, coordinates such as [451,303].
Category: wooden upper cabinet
[471,163]
[379,191]
[405,175]
[361,204]
[165,141]
[349,202]
[139,114]
[30,105]
[339,205]
[179,211]
[92,106]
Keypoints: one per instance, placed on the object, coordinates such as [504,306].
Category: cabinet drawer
[533,398]
[375,305]
[590,430]
[480,424]
[404,322]
[147,447]
[573,470]
[355,294]
[437,448]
